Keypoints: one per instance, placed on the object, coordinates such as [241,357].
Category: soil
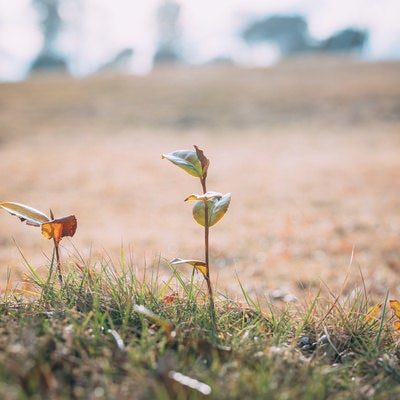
[309,149]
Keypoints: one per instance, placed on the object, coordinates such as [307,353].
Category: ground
[309,150]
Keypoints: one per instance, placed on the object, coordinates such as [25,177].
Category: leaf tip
[191,197]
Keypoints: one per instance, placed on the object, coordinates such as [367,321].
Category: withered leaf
[205,162]
[372,312]
[51,228]
[59,228]
[395,306]
[199,265]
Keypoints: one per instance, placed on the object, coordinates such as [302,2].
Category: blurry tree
[169,33]
[345,40]
[51,26]
[289,32]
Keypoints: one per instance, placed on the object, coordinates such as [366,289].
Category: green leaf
[187,160]
[200,265]
[217,207]
[25,213]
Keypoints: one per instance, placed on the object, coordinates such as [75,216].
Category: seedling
[52,228]
[209,208]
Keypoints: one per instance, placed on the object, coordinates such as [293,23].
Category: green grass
[88,339]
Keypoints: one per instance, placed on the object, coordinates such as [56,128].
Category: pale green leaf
[199,265]
[25,213]
[220,207]
[187,160]
[217,207]
[205,196]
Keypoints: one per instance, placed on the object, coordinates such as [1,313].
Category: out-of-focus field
[309,149]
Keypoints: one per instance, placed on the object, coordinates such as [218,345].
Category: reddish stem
[206,250]
[58,261]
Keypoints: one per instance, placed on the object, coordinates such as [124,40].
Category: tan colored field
[310,151]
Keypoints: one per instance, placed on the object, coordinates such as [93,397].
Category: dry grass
[308,149]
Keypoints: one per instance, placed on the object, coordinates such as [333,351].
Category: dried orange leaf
[396,325]
[25,213]
[59,227]
[199,265]
[372,312]
[395,306]
[170,298]
[187,160]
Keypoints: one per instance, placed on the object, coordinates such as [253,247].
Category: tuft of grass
[105,333]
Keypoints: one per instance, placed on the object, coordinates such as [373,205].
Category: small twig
[56,249]
[58,261]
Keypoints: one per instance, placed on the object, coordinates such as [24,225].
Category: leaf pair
[217,205]
[52,228]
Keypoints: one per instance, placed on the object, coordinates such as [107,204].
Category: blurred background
[85,36]
[296,104]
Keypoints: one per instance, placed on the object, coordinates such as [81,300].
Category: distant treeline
[289,34]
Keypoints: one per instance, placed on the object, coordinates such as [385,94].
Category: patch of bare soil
[309,150]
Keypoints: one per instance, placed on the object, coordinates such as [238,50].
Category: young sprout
[209,208]
[51,228]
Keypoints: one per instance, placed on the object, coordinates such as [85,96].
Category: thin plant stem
[206,225]
[207,258]
[56,249]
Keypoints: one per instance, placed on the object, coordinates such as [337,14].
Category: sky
[97,29]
